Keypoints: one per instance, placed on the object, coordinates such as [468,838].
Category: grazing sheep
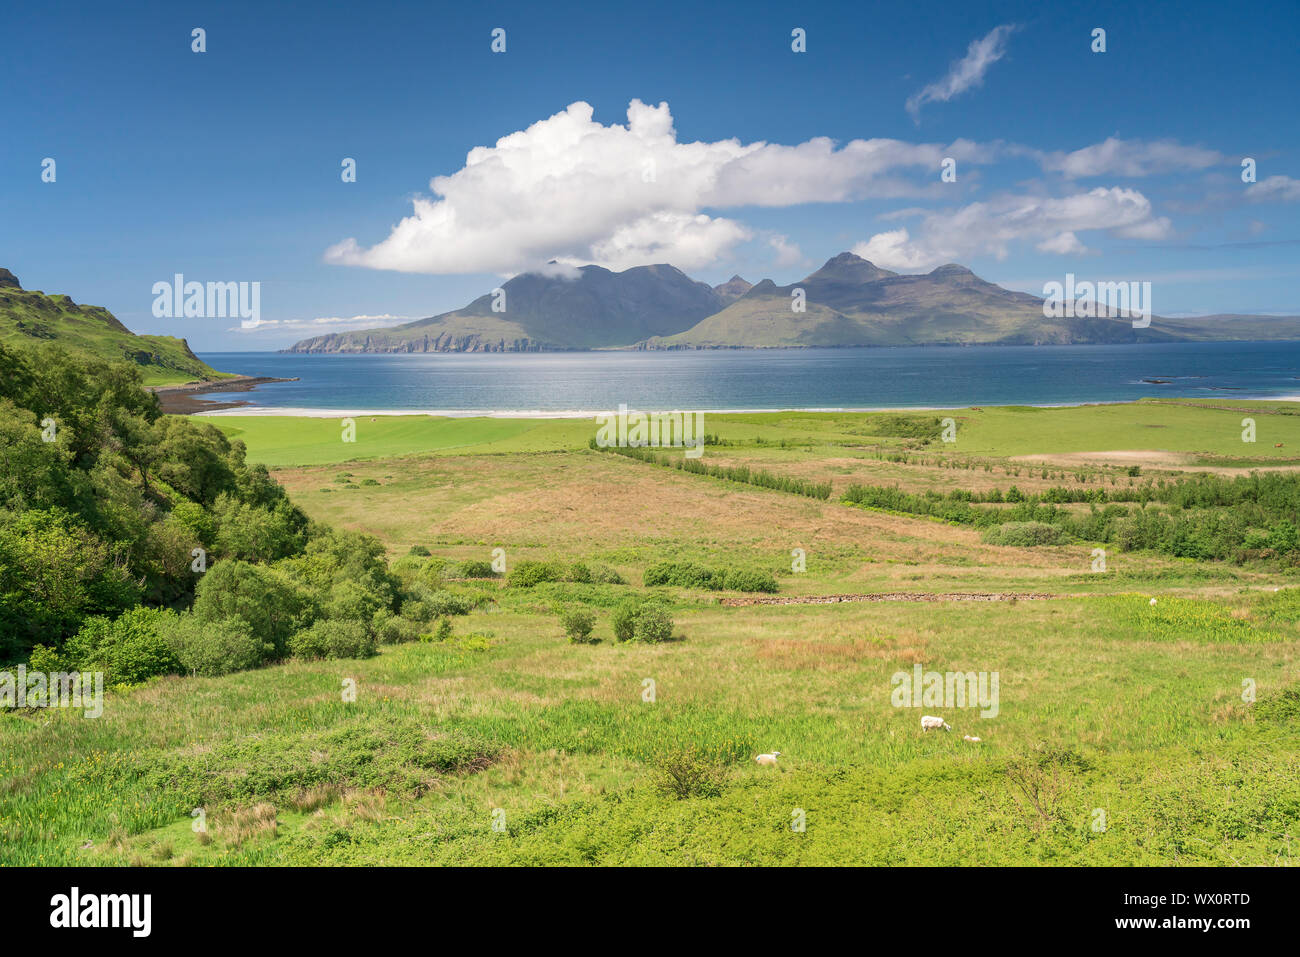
[768,758]
[967,737]
[1153,601]
[929,723]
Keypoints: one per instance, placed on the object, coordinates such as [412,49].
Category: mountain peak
[950,269]
[848,267]
[733,288]
[8,280]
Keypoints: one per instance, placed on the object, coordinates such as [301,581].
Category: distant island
[847,302]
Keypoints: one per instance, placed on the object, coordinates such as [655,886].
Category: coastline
[247,409]
[180,399]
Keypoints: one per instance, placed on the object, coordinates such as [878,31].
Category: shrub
[604,575]
[417,550]
[333,639]
[578,572]
[526,574]
[1024,534]
[389,629]
[442,603]
[476,569]
[416,610]
[738,580]
[46,660]
[683,575]
[689,575]
[272,604]
[653,623]
[578,623]
[687,773]
[441,633]
[624,619]
[128,649]
[213,648]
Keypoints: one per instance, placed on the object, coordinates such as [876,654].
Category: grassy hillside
[29,316]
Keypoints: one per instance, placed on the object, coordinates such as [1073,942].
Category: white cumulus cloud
[572,190]
[990,228]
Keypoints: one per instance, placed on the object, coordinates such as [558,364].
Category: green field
[1004,431]
[1127,732]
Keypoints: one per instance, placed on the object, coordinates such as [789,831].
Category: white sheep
[768,758]
[967,737]
[930,723]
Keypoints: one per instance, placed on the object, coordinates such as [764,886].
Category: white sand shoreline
[311,413]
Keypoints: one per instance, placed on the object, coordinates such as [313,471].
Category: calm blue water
[768,379]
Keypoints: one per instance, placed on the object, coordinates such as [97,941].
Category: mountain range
[847,302]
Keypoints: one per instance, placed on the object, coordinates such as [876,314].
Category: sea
[586,383]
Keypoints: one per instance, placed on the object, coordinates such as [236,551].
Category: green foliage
[688,773]
[690,575]
[475,569]
[1281,707]
[578,623]
[213,647]
[624,619]
[273,605]
[528,573]
[1204,516]
[904,426]
[1025,534]
[54,573]
[128,649]
[653,623]
[737,579]
[369,753]
[390,629]
[331,638]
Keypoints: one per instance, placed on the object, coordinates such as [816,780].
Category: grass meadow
[1126,732]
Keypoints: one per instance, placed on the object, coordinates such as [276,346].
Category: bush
[683,575]
[578,623]
[442,603]
[333,639]
[689,575]
[653,624]
[417,550]
[128,649]
[624,619]
[738,580]
[389,629]
[273,605]
[526,574]
[578,572]
[476,569]
[686,774]
[213,648]
[604,575]
[1024,534]
[416,610]
[441,633]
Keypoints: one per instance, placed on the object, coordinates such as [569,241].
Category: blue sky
[225,165]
